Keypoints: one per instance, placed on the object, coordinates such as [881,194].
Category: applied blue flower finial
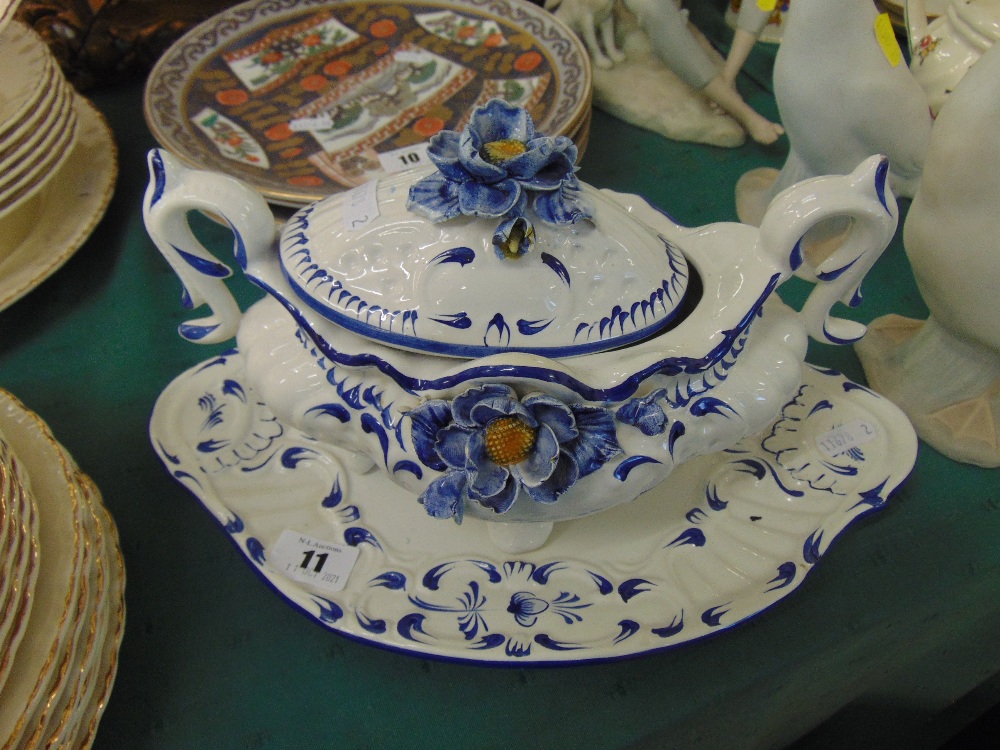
[496,168]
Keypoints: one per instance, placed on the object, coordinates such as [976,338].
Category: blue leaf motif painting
[234,525]
[206,267]
[333,499]
[633,587]
[293,456]
[628,629]
[674,627]
[357,535]
[526,608]
[556,265]
[460,255]
[623,469]
[692,536]
[458,320]
[211,446]
[391,579]
[329,612]
[492,640]
[337,411]
[713,617]
[255,550]
[411,624]
[374,626]
[547,641]
[785,576]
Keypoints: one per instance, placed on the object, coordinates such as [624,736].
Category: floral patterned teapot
[943,50]
[506,342]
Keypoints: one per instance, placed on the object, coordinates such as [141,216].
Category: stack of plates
[63,586]
[306,98]
[57,161]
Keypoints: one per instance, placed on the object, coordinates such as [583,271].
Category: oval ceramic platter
[726,537]
[305,98]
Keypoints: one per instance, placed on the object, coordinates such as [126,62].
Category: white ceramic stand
[727,536]
[945,372]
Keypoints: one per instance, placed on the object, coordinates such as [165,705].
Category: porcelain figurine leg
[668,106]
[947,386]
[750,21]
[516,538]
[675,44]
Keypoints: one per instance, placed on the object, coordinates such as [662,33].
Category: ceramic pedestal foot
[948,387]
[515,538]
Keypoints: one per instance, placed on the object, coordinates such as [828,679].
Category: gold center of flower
[497,152]
[509,440]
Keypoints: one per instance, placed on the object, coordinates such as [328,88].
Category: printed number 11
[307,557]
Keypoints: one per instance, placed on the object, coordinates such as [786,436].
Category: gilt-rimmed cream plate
[24,60]
[52,118]
[50,85]
[18,537]
[54,730]
[45,90]
[71,653]
[7,9]
[103,665]
[74,200]
[307,98]
[21,565]
[726,537]
[37,160]
[58,586]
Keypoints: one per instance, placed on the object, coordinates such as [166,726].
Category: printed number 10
[307,558]
[410,158]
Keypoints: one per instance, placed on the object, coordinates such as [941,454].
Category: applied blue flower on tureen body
[493,447]
[494,168]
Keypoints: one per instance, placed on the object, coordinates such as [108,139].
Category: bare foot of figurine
[757,126]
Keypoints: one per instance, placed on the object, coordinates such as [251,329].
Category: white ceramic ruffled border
[726,537]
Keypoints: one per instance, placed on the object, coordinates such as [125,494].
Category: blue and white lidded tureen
[507,342]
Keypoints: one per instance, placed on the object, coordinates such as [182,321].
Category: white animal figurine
[944,372]
[844,92]
[588,18]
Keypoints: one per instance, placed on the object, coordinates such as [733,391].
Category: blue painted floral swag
[495,168]
[492,447]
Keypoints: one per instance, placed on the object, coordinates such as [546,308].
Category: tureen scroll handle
[863,198]
[173,191]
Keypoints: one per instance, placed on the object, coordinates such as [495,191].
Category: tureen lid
[500,248]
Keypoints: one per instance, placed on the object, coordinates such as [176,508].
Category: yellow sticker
[886,37]
[767,5]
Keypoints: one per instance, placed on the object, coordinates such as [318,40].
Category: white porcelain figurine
[944,372]
[688,89]
[844,92]
[594,22]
